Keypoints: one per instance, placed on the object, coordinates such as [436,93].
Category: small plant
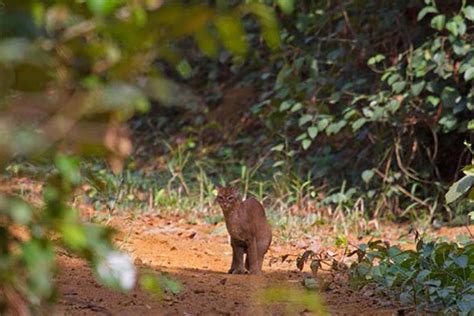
[435,277]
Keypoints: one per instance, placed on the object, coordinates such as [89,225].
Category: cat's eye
[219,198]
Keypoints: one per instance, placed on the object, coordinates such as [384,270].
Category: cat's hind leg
[262,248]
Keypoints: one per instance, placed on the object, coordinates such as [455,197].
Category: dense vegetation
[436,277]
[348,110]
[367,100]
[72,73]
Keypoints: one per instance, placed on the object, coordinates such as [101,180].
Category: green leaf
[393,78]
[312,132]
[359,123]
[466,305]
[469,74]
[470,125]
[170,285]
[306,143]
[206,42]
[459,188]
[301,137]
[438,22]
[335,127]
[469,12]
[425,11]
[296,107]
[18,210]
[452,27]
[287,6]
[73,235]
[433,100]
[375,59]
[323,124]
[461,261]
[367,175]
[398,87]
[461,26]
[277,148]
[184,69]
[468,170]
[151,284]
[39,259]
[231,33]
[268,22]
[335,97]
[305,119]
[285,105]
[393,105]
[450,97]
[278,163]
[69,168]
[422,275]
[103,7]
[341,240]
[416,88]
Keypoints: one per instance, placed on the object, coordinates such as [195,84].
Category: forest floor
[198,256]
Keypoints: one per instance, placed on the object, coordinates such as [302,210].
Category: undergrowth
[436,276]
[183,185]
[293,205]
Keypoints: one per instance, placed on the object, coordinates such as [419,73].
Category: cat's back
[253,206]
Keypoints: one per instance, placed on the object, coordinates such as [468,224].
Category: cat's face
[226,197]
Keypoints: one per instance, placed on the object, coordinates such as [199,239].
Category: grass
[181,184]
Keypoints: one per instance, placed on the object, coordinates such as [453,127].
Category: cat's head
[227,197]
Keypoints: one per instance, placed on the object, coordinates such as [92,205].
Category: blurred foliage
[71,74]
[436,277]
[294,299]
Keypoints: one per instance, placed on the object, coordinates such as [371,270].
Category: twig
[404,191]
[348,22]
[466,224]
[402,167]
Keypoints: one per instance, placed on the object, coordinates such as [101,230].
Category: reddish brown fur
[249,231]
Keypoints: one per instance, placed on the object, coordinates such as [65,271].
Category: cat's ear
[219,188]
[235,191]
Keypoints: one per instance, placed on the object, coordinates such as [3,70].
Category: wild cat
[250,233]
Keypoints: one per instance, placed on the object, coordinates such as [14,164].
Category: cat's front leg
[237,266]
[252,253]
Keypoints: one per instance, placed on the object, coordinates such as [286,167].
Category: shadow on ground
[204,292]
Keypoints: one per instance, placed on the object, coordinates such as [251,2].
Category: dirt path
[198,259]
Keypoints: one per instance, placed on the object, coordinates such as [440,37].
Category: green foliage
[376,94]
[28,253]
[435,277]
[294,299]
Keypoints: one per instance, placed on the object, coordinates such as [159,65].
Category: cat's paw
[236,271]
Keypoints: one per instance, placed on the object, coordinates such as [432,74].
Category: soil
[198,256]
